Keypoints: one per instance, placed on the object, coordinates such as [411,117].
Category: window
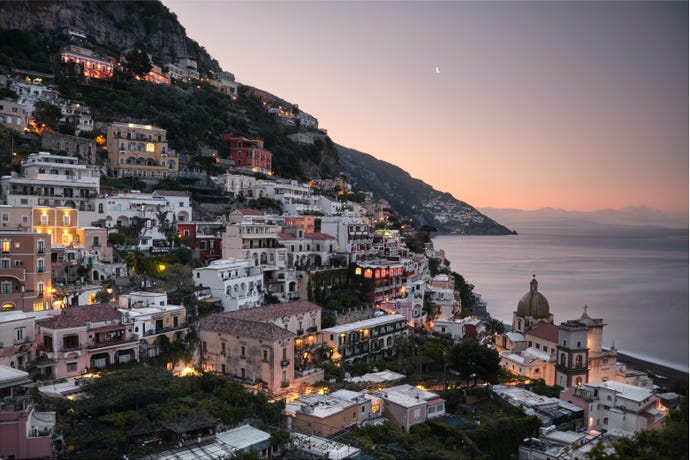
[96,242]
[44,219]
[19,334]
[242,351]
[5,217]
[284,354]
[150,147]
[6,287]
[40,246]
[41,289]
[66,220]
[243,372]
[264,355]
[5,263]
[40,265]
[72,367]
[5,246]
[222,348]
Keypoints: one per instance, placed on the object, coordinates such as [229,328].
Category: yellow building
[140,151]
[59,223]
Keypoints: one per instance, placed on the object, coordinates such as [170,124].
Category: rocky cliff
[115,25]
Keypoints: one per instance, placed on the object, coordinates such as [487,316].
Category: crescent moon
[437,70]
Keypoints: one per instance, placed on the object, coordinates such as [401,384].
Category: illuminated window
[368,273]
[5,246]
[66,220]
[8,307]
[44,219]
[358,271]
[39,306]
[150,147]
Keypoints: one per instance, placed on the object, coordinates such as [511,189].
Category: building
[153,317]
[90,64]
[318,447]
[531,363]
[572,354]
[411,307]
[308,249]
[615,406]
[81,147]
[352,235]
[532,309]
[13,115]
[238,184]
[52,180]
[551,411]
[459,329]
[405,406]
[24,431]
[237,283]
[76,115]
[204,239]
[248,153]
[379,280]
[302,318]
[323,415]
[160,209]
[82,338]
[253,352]
[255,241]
[367,340]
[140,151]
[157,76]
[17,332]
[25,268]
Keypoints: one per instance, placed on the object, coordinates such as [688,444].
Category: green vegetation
[119,402]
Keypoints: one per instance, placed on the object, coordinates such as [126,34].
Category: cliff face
[115,25]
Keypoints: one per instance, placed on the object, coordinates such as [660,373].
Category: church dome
[533,304]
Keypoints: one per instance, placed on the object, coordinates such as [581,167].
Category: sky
[573,105]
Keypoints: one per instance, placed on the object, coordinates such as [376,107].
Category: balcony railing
[284,363]
[110,343]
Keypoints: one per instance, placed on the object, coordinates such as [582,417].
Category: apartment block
[25,267]
[368,339]
[248,153]
[140,151]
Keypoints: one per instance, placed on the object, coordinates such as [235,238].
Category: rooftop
[546,331]
[372,322]
[274,311]
[631,392]
[81,315]
[221,323]
[243,437]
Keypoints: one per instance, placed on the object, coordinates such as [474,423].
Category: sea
[635,278]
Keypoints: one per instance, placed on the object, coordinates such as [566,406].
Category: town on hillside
[158,303]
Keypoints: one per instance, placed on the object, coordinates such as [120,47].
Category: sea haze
[635,278]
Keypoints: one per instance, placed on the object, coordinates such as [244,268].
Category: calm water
[636,279]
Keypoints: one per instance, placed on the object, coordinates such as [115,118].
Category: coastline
[670,373]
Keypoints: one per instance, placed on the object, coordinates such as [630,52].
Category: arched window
[578,381]
[578,361]
[563,359]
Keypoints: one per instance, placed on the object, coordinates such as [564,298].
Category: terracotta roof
[319,236]
[273,311]
[250,212]
[545,331]
[221,323]
[79,316]
[287,236]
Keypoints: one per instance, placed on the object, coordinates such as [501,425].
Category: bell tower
[572,354]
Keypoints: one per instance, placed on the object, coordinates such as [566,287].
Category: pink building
[405,406]
[24,431]
[82,338]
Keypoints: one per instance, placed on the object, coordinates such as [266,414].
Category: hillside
[195,114]
[409,196]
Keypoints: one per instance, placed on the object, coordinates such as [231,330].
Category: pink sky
[579,106]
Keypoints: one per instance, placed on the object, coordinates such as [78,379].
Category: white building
[120,209]
[617,406]
[238,184]
[352,235]
[367,339]
[238,283]
[153,317]
[531,363]
[306,249]
[52,180]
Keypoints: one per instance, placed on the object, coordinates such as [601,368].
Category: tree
[473,360]
[138,63]
[47,115]
[103,296]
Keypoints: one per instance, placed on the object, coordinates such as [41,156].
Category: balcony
[111,343]
[284,363]
[284,384]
